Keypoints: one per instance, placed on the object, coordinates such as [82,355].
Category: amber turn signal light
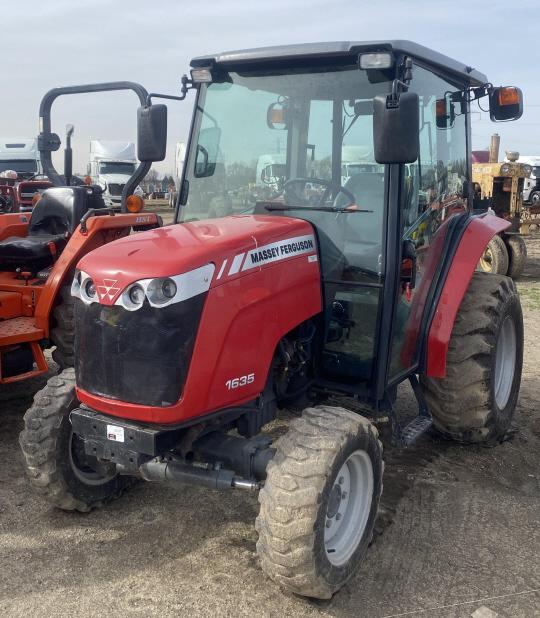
[508,96]
[134,203]
[440,108]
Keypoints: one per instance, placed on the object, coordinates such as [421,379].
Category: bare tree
[152,176]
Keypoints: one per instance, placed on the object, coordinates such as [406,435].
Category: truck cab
[531,187]
[21,155]
[111,164]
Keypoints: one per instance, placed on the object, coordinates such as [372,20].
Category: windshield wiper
[346,209]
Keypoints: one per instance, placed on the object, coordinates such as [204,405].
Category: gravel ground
[458,533]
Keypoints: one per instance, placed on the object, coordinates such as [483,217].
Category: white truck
[358,160]
[20,154]
[111,164]
[270,170]
[531,185]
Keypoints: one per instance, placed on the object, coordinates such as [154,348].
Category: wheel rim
[348,508]
[535,198]
[486,261]
[505,362]
[84,467]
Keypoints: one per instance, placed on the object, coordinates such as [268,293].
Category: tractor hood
[233,246]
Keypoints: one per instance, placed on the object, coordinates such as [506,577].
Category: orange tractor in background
[39,251]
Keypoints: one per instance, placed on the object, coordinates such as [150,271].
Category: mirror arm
[187,84]
[392,100]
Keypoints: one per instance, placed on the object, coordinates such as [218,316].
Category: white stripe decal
[280,250]
[236,263]
[222,269]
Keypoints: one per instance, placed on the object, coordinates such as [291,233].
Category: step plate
[411,432]
[18,330]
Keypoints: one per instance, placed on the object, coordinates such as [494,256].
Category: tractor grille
[138,356]
[115,188]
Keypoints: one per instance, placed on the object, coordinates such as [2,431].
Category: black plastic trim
[329,50]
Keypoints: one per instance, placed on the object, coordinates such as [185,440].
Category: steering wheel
[320,200]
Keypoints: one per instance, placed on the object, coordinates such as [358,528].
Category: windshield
[19,165]
[116,167]
[296,141]
[535,171]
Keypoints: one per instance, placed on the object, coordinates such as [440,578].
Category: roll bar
[49,142]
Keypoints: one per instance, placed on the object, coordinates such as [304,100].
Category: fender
[474,240]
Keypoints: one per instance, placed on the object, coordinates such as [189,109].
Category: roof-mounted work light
[376,60]
[201,76]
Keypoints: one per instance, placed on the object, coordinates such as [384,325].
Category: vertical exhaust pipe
[494,148]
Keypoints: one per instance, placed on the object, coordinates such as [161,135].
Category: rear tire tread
[461,402]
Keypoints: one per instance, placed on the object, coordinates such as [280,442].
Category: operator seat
[54,219]
[363,234]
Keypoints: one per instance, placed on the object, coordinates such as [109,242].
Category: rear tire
[495,259]
[476,400]
[63,332]
[320,500]
[55,461]
[517,253]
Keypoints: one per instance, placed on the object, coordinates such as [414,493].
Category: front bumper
[122,442]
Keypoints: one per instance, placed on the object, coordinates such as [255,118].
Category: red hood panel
[236,245]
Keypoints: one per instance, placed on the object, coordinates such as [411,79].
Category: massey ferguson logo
[108,290]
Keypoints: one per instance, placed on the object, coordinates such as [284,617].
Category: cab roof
[340,49]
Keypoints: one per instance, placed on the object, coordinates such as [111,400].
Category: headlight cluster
[159,292]
[506,168]
[526,169]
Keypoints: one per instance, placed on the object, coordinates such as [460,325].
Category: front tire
[63,332]
[320,500]
[476,400]
[495,259]
[56,464]
[517,253]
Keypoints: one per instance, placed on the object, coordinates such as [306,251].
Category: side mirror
[445,113]
[207,152]
[151,133]
[277,116]
[505,103]
[396,128]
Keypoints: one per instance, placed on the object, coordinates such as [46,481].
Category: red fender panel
[472,244]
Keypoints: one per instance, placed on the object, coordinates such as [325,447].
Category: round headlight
[527,169]
[90,288]
[505,168]
[168,288]
[161,291]
[136,295]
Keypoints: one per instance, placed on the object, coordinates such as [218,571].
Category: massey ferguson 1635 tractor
[189,338]
[40,249]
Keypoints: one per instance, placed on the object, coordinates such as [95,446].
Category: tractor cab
[402,110]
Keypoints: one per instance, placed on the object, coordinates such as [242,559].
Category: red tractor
[191,337]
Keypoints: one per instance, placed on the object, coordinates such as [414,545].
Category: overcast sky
[63,42]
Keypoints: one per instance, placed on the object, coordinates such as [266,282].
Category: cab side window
[434,183]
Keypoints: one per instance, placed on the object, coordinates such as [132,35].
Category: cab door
[431,201]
